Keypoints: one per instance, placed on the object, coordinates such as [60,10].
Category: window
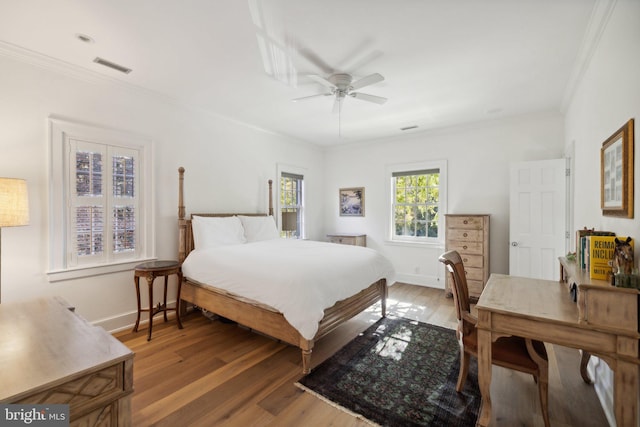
[99,221]
[291,205]
[417,201]
[103,203]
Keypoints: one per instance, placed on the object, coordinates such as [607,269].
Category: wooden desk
[50,355]
[543,310]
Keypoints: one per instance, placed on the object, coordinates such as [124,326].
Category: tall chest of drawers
[469,235]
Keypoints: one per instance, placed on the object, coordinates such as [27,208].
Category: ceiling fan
[341,85]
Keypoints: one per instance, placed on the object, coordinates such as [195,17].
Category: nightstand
[348,239]
[151,270]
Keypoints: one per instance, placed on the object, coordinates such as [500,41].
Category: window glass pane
[433,221]
[89,230]
[432,195]
[123,176]
[88,173]
[291,201]
[415,205]
[124,226]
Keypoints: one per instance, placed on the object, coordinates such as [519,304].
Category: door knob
[514,243]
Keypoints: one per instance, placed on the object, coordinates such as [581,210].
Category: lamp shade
[14,202]
[289,221]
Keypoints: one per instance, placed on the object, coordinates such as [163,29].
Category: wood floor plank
[161,408]
[214,373]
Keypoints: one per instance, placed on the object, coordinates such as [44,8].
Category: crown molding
[598,21]
[89,76]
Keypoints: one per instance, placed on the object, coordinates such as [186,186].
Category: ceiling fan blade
[310,56]
[322,81]
[366,97]
[363,61]
[304,98]
[366,81]
[358,57]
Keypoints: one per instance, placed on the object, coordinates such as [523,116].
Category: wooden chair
[511,352]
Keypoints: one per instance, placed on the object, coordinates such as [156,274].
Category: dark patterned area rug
[399,373]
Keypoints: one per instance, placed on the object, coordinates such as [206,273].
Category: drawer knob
[465,259]
[465,222]
[465,235]
[464,247]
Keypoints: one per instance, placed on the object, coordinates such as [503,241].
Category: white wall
[478,158]
[227,168]
[607,96]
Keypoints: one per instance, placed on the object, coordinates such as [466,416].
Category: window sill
[413,244]
[94,270]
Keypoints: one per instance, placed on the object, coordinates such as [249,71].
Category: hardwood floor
[217,374]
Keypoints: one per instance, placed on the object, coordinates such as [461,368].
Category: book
[582,249]
[600,257]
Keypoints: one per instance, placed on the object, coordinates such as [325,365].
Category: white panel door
[537,223]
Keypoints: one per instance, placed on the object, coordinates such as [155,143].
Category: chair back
[455,267]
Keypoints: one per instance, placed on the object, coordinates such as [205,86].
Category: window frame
[441,166]
[64,136]
[291,170]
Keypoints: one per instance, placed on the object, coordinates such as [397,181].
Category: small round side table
[151,270]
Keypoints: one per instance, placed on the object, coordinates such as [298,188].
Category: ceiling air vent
[113,65]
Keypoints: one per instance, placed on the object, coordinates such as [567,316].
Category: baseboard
[118,323]
[420,280]
[125,321]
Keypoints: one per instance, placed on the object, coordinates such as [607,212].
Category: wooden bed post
[183,228]
[180,192]
[271,197]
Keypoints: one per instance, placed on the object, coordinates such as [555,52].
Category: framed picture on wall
[351,201]
[616,173]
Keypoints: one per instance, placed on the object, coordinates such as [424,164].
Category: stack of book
[594,252]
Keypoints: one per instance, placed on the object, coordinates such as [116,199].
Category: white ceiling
[445,62]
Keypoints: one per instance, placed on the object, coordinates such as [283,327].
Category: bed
[215,280]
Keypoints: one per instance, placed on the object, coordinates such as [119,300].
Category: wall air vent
[113,65]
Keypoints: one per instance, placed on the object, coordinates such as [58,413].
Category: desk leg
[484,376]
[625,393]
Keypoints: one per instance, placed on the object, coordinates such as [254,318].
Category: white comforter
[299,278]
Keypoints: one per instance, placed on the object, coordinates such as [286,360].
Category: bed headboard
[185,232]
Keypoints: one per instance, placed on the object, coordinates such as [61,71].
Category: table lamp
[289,222]
[14,208]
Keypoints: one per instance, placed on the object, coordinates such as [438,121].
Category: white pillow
[257,228]
[210,232]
